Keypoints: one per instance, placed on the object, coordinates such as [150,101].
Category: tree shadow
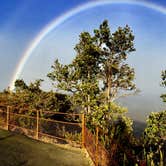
[5,137]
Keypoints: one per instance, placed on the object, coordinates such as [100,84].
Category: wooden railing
[55,127]
[44,125]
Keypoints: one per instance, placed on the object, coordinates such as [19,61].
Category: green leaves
[33,97]
[98,68]
[163,77]
[87,57]
[163,83]
[116,74]
[123,40]
[155,132]
[64,77]
[20,85]
[155,137]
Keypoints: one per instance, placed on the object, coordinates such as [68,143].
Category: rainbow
[57,21]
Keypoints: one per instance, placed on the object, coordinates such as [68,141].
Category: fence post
[97,140]
[7,117]
[83,131]
[37,124]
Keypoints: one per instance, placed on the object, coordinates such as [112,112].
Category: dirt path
[18,150]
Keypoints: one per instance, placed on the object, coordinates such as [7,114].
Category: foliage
[155,137]
[115,74]
[78,78]
[102,117]
[156,128]
[163,83]
[163,77]
[33,97]
[73,136]
[113,123]
[98,72]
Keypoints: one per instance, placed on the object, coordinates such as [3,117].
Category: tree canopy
[33,97]
[99,71]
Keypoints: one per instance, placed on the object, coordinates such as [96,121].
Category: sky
[21,21]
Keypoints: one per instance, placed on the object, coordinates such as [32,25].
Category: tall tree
[115,73]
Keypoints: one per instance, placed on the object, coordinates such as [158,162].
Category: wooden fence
[55,127]
[95,149]
[42,125]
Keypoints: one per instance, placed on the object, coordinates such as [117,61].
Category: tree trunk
[88,104]
[108,91]
[109,84]
[88,94]
[108,75]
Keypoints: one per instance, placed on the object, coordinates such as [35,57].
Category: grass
[18,150]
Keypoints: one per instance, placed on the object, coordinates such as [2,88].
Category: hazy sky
[22,20]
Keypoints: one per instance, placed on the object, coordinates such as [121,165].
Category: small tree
[155,132]
[155,138]
[163,83]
